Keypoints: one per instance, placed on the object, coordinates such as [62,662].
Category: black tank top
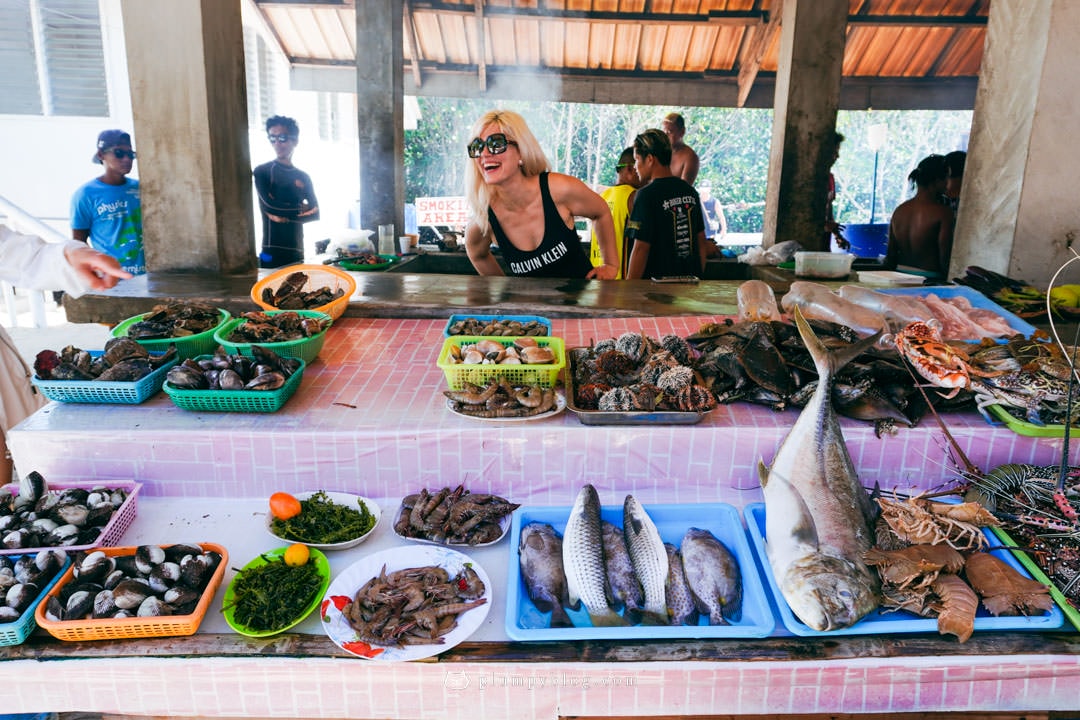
[559,255]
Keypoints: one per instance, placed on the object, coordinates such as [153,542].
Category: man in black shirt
[286,197]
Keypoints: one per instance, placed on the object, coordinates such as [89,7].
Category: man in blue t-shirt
[106,212]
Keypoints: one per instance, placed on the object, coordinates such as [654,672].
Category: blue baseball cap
[109,139]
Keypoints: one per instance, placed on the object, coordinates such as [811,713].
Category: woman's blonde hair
[533,160]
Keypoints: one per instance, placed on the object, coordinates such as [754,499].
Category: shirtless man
[921,229]
[684,161]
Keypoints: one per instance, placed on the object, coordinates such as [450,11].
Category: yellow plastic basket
[318,276]
[457,374]
[132,627]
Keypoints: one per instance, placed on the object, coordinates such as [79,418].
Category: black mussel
[94,567]
[148,330]
[130,593]
[105,604]
[67,371]
[242,365]
[147,557]
[175,553]
[220,362]
[100,514]
[54,610]
[229,379]
[119,349]
[187,378]
[153,606]
[266,381]
[63,536]
[79,605]
[195,570]
[164,576]
[8,614]
[71,513]
[126,371]
[17,539]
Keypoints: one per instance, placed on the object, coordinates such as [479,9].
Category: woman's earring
[521,163]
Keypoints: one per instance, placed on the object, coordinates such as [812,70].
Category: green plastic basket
[457,374]
[98,391]
[307,349]
[260,401]
[187,346]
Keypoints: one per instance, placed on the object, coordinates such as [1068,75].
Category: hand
[603,272]
[97,270]
[277,218]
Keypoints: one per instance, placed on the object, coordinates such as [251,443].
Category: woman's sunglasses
[496,144]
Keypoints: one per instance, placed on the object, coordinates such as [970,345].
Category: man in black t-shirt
[666,227]
[286,197]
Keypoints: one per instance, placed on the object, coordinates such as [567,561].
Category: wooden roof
[901,54]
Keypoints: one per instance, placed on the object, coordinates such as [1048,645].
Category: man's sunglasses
[496,144]
[121,154]
[620,166]
[280,138]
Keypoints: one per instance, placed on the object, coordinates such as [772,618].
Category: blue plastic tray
[976,298]
[899,621]
[14,633]
[98,391]
[525,622]
[487,318]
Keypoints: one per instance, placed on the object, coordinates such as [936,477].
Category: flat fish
[680,603]
[818,517]
[583,560]
[540,558]
[713,576]
[649,558]
[624,590]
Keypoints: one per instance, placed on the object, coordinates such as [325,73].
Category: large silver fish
[680,603]
[540,558]
[817,515]
[623,586]
[650,560]
[583,560]
[712,573]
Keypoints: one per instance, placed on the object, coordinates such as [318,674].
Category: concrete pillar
[812,36]
[189,102]
[380,102]
[1018,211]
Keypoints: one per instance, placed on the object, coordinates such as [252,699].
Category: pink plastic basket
[114,529]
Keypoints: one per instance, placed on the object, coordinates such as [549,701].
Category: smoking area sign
[442,211]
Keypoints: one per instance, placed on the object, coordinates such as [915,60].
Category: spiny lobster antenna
[1064,470]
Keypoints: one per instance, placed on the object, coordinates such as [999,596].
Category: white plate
[560,405]
[504,524]
[347,499]
[345,586]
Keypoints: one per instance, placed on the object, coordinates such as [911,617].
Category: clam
[8,614]
[163,577]
[488,346]
[266,381]
[71,513]
[54,611]
[94,567]
[175,553]
[33,487]
[130,593]
[63,536]
[79,605]
[148,556]
[229,379]
[16,539]
[187,378]
[182,599]
[113,579]
[7,579]
[20,595]
[153,606]
[105,604]
[537,355]
[100,514]
[50,561]
[472,356]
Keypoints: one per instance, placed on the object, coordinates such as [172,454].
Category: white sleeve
[27,261]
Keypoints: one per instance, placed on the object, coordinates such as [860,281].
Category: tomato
[284,506]
[296,555]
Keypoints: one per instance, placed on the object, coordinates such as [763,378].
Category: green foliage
[585,140]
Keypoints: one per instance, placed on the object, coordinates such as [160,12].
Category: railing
[25,222]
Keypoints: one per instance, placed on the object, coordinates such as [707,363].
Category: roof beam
[753,52]
[713,17]
[481,45]
[922,21]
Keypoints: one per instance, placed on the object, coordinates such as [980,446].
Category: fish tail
[607,619]
[831,359]
[649,617]
[559,618]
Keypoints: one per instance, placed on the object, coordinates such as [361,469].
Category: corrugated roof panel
[429,36]
[576,44]
[602,46]
[651,50]
[627,39]
[676,47]
[459,39]
[965,55]
[526,39]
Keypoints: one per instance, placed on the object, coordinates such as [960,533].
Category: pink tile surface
[370,417]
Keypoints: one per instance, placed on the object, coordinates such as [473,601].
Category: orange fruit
[296,555]
[284,506]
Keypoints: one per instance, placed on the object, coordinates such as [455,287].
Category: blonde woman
[528,211]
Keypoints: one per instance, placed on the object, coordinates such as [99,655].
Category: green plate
[321,564]
[388,260]
[1037,572]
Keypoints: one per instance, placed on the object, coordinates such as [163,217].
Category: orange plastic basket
[318,276]
[132,627]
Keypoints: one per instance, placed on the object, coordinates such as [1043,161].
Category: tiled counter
[369,418]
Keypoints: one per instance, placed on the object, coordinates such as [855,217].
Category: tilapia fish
[712,573]
[649,558]
[540,558]
[623,586]
[680,603]
[818,518]
[583,560]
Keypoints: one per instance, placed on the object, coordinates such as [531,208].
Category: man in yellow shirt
[620,199]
